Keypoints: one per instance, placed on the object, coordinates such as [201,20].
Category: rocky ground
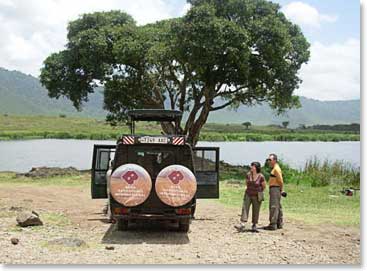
[75,231]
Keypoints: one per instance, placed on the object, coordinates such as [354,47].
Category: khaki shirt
[276,177]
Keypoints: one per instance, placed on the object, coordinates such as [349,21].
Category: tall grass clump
[323,173]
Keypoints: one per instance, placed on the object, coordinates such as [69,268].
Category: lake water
[21,156]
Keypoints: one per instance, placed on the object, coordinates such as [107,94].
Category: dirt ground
[212,238]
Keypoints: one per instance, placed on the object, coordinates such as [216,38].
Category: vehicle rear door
[102,155]
[206,163]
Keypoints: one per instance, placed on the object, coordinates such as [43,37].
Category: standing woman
[254,195]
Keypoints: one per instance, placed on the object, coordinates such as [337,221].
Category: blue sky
[347,24]
[33,29]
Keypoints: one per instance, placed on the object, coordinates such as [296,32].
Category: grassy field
[312,205]
[314,193]
[38,127]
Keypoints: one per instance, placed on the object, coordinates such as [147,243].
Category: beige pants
[275,207]
[247,202]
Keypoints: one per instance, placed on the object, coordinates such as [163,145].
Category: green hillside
[22,94]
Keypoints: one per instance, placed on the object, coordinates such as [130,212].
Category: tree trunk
[168,128]
[194,130]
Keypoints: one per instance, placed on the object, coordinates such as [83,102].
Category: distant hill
[312,112]
[23,95]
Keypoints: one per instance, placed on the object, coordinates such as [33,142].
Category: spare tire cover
[130,185]
[175,185]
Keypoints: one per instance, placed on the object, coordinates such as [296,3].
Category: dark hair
[257,166]
[275,157]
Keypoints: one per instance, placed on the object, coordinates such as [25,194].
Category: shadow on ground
[148,233]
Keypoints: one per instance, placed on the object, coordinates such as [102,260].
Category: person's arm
[263,183]
[279,177]
[247,179]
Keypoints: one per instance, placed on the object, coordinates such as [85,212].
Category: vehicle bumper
[152,216]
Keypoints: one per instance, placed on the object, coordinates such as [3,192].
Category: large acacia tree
[222,53]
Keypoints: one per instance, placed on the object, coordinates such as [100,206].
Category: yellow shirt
[276,177]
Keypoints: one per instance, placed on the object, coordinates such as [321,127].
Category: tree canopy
[220,54]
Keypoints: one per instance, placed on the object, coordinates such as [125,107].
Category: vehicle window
[204,160]
[103,159]
[153,161]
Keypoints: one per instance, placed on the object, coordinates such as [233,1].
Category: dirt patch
[47,172]
[68,212]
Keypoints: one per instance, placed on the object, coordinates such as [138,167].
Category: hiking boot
[254,228]
[280,226]
[240,227]
[271,227]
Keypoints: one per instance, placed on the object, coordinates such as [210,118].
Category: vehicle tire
[184,225]
[122,224]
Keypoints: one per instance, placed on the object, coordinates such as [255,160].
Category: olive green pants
[256,204]
[275,207]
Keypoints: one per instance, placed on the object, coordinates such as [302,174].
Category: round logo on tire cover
[130,185]
[175,185]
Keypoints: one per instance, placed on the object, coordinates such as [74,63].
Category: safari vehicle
[154,177]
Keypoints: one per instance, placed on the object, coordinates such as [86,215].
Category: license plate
[153,140]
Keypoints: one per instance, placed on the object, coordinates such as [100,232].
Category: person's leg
[245,208]
[280,216]
[244,213]
[255,209]
[256,204]
[274,204]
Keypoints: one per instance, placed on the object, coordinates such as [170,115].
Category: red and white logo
[128,140]
[175,177]
[130,176]
[178,140]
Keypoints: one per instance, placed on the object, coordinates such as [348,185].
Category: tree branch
[222,106]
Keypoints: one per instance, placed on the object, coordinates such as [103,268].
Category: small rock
[282,233]
[14,241]
[198,256]
[68,242]
[109,247]
[26,219]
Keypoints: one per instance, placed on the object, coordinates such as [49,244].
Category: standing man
[275,190]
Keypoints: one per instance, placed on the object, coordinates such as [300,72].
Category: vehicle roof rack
[154,115]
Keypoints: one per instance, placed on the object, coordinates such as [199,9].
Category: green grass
[325,173]
[311,205]
[56,219]
[314,195]
[39,127]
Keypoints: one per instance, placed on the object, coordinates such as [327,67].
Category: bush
[327,172]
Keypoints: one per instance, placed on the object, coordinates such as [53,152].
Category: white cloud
[31,30]
[306,15]
[333,72]
[185,9]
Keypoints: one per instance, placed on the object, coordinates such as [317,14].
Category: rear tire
[184,225]
[122,224]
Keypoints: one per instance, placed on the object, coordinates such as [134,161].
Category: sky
[30,30]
